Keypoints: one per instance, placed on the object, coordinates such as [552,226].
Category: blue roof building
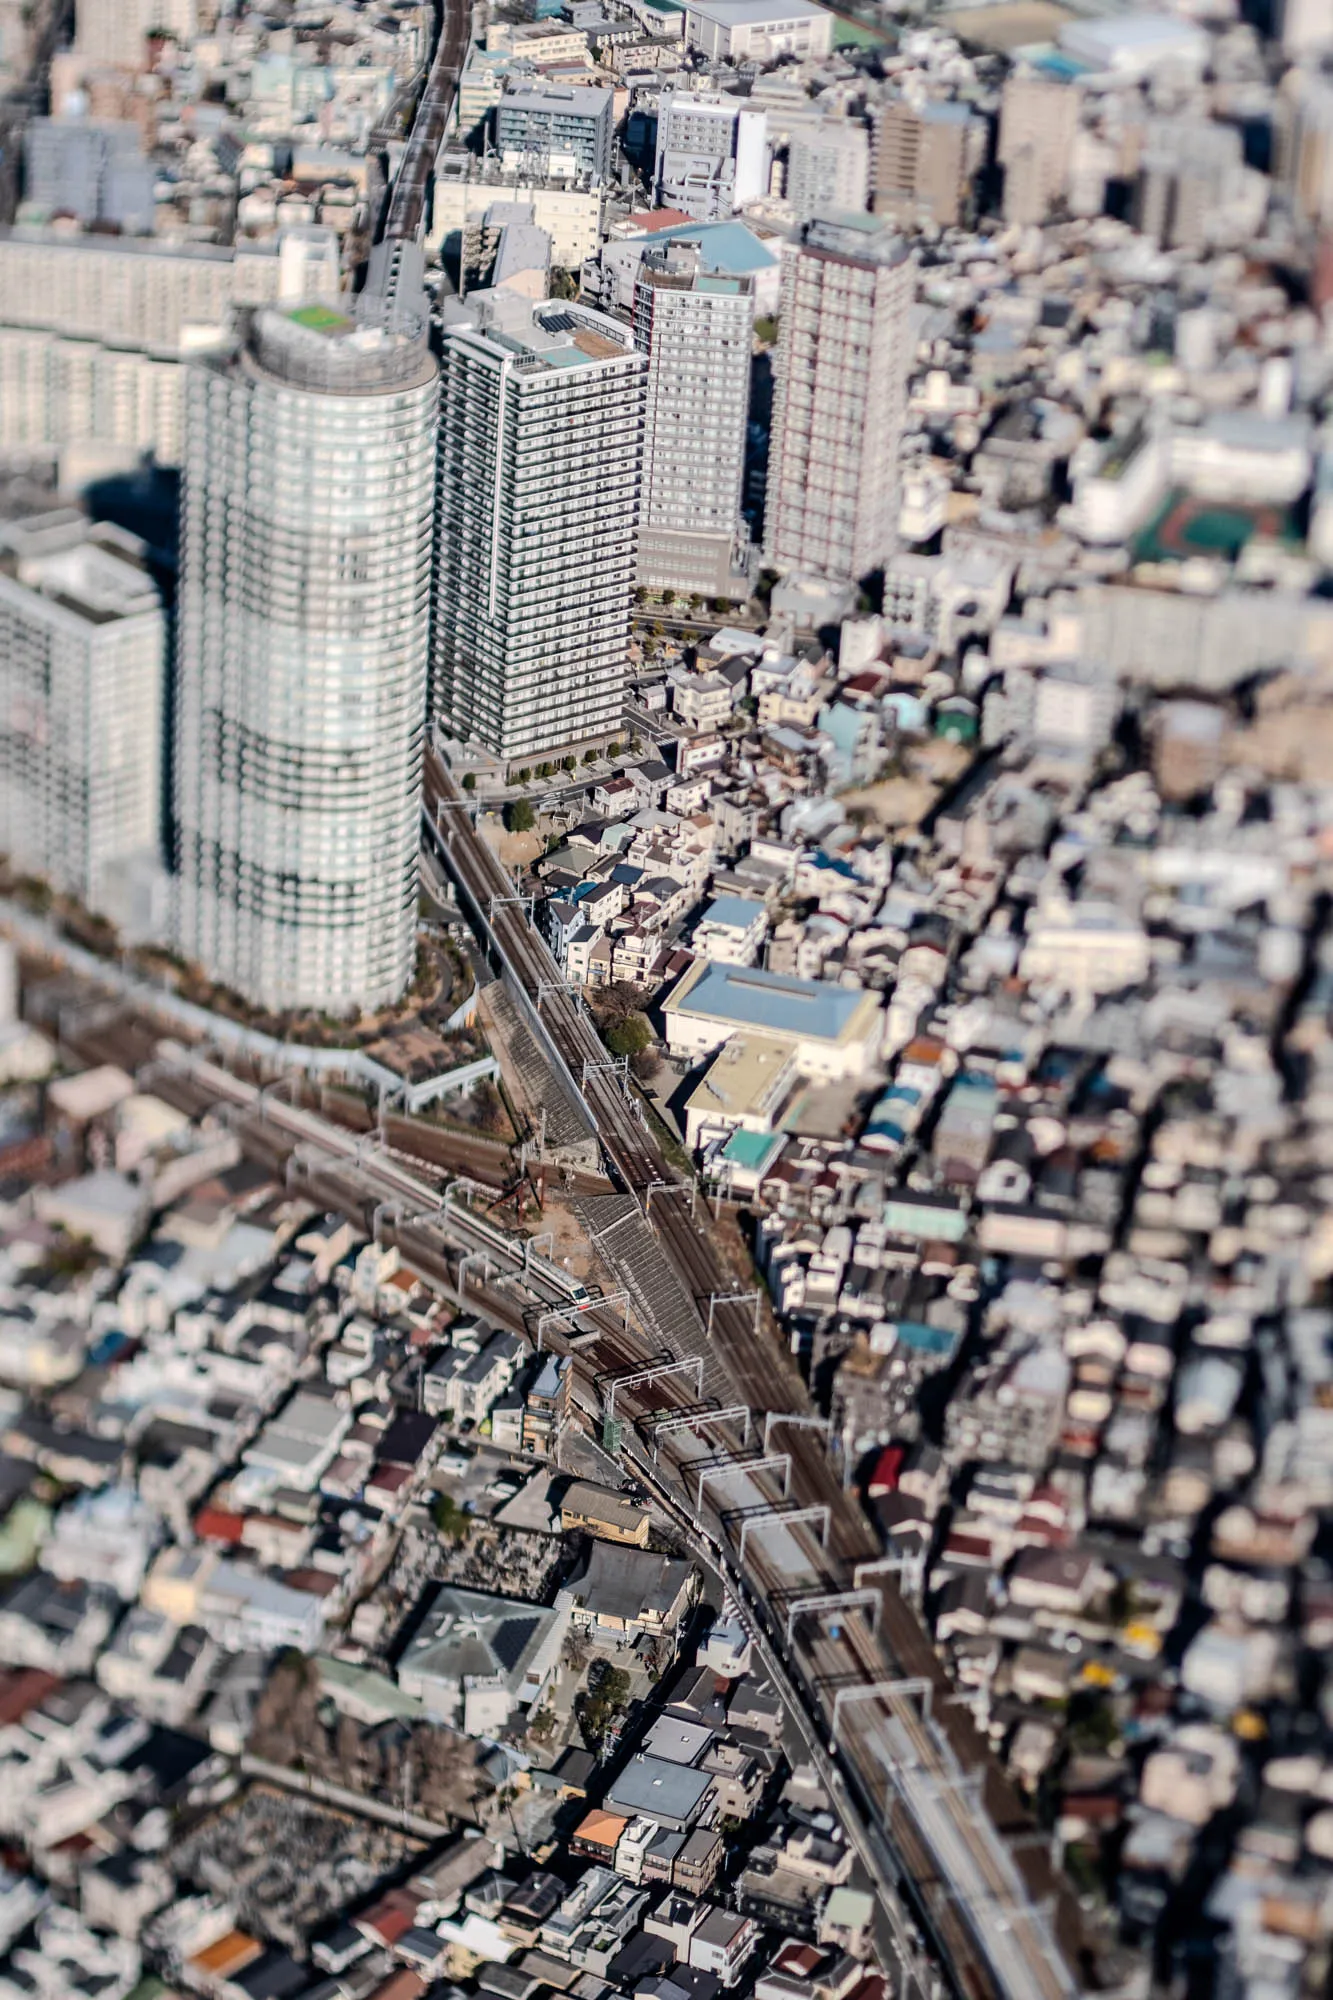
[836,1029]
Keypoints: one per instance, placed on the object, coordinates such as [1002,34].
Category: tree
[614,750]
[470,781]
[519,816]
[567,764]
[629,1037]
[590,756]
[524,776]
[607,1694]
[450,1519]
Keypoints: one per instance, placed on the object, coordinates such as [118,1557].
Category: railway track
[939,1797]
[405,220]
[918,1783]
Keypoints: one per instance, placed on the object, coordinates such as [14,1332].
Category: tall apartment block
[1038,123]
[82,690]
[712,153]
[696,332]
[114,31]
[303,634]
[828,167]
[552,128]
[94,331]
[541,427]
[1191,173]
[844,349]
[1303,122]
[925,156]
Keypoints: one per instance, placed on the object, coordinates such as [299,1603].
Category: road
[912,1764]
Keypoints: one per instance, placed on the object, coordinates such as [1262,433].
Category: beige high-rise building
[1038,122]
[924,159]
[844,350]
[1304,122]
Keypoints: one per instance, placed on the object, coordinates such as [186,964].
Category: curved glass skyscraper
[302,655]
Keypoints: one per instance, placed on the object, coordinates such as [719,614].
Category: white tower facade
[302,661]
[844,349]
[83,660]
[541,441]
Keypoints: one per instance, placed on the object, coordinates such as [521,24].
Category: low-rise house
[610,1517]
[730,930]
[474,1659]
[57,1627]
[627,1591]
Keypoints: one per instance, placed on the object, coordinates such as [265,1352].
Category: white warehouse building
[758,30]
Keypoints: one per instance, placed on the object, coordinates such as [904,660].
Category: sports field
[1186,526]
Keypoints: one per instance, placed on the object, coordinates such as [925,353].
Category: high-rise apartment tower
[541,440]
[303,642]
[82,691]
[844,348]
[696,332]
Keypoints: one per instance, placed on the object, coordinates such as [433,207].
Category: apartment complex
[828,167]
[556,128]
[925,158]
[82,687]
[541,423]
[712,153]
[93,330]
[114,31]
[303,635]
[695,330]
[839,384]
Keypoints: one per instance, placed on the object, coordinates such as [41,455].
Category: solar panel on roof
[509,1640]
[559,322]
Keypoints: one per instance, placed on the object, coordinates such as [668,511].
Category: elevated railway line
[940,1802]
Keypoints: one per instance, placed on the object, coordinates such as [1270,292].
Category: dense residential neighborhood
[666,1000]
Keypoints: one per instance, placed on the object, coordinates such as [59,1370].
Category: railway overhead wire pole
[798,1420]
[716,1299]
[783,1517]
[879,1691]
[641,1378]
[834,1600]
[697,1420]
[711,1475]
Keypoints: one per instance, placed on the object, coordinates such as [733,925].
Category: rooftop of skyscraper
[372,346]
[96,571]
[870,239]
[553,334]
